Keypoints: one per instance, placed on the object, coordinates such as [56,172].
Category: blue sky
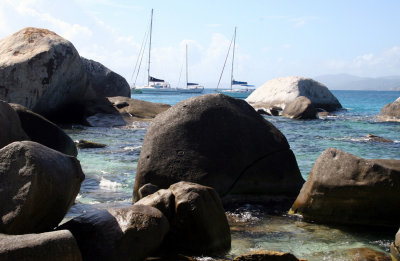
[274,38]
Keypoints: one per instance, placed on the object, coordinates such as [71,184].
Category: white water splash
[109,185]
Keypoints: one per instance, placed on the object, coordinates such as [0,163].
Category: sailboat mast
[186,67]
[233,55]
[148,68]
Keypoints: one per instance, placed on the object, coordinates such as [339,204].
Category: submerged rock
[391,111]
[373,137]
[264,255]
[300,108]
[43,72]
[366,254]
[282,91]
[129,233]
[85,144]
[221,142]
[38,185]
[345,189]
[11,129]
[43,131]
[105,82]
[57,245]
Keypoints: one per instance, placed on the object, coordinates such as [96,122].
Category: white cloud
[214,25]
[302,21]
[295,21]
[385,63]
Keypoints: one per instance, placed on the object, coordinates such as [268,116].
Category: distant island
[351,82]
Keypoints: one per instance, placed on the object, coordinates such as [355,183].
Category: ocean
[110,174]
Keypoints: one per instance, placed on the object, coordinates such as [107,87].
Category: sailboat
[154,85]
[191,87]
[246,89]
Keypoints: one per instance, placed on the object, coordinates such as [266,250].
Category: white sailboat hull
[194,89]
[237,93]
[154,90]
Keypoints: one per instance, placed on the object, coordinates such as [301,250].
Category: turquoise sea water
[110,174]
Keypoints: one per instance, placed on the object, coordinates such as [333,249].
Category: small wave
[204,258]
[139,125]
[108,184]
[244,217]
[132,148]
[355,139]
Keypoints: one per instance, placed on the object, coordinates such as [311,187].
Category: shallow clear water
[110,174]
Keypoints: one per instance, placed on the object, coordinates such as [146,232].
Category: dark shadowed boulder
[11,129]
[282,91]
[198,222]
[105,82]
[43,131]
[199,225]
[217,141]
[129,233]
[57,245]
[38,185]
[147,189]
[345,189]
[43,72]
[300,108]
[390,112]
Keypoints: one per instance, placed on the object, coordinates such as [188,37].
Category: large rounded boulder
[43,131]
[391,111]
[11,129]
[221,142]
[105,82]
[38,185]
[345,189]
[42,71]
[282,91]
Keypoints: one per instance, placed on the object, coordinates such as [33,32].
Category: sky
[274,39]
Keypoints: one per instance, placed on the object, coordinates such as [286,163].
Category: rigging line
[140,53]
[141,59]
[225,62]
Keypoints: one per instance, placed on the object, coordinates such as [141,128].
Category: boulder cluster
[199,157]
[293,97]
[45,73]
[40,179]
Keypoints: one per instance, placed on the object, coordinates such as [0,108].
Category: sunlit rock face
[41,71]
[281,91]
